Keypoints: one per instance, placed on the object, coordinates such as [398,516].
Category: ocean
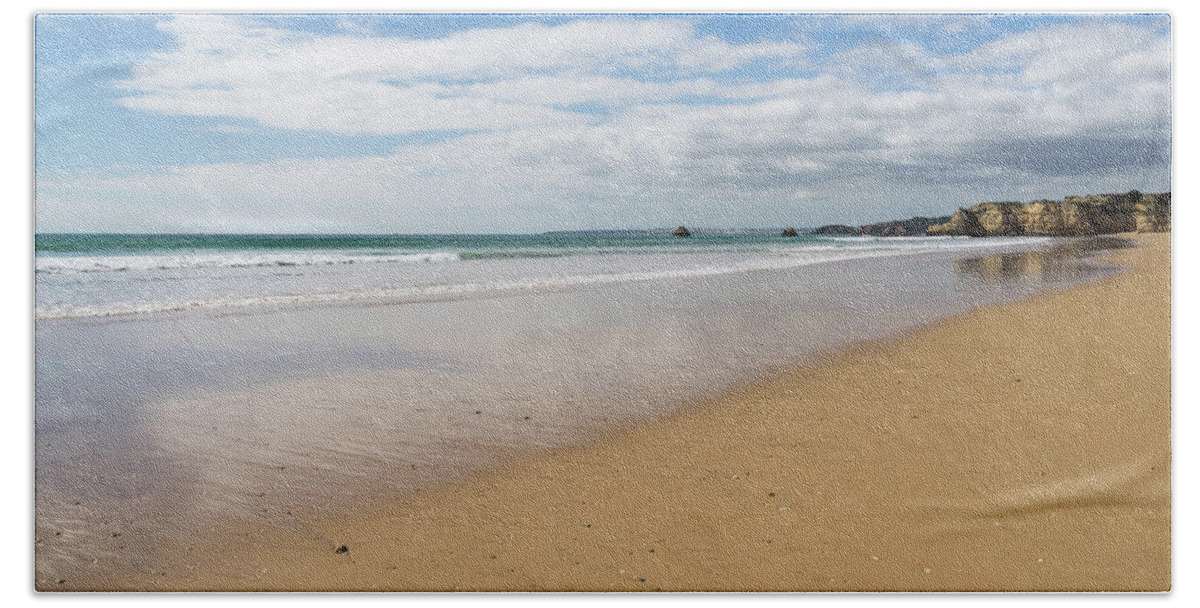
[101,275]
[193,387]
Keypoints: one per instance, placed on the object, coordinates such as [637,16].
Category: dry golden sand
[1019,447]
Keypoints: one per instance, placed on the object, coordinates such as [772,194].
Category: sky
[450,123]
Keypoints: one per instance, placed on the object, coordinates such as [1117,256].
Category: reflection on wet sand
[1066,262]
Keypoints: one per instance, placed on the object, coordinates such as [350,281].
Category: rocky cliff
[835,230]
[914,226]
[1072,216]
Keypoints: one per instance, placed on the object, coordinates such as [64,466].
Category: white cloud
[477,79]
[1065,106]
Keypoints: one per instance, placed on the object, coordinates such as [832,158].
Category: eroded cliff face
[1073,216]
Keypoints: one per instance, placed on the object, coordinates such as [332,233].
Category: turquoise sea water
[471,245]
[103,275]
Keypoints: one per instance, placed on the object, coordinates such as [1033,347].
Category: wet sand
[1016,447]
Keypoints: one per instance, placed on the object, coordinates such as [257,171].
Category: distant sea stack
[1073,216]
[790,231]
[682,232]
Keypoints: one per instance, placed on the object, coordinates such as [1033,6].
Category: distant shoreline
[1073,216]
[1094,214]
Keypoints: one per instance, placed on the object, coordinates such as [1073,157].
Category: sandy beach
[1016,447]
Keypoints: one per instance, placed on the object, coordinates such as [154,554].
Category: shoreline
[878,468]
[245,303]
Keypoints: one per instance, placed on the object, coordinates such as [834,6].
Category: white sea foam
[833,250]
[123,263]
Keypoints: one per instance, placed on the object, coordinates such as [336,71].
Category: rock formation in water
[1073,216]
[790,231]
[682,231]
